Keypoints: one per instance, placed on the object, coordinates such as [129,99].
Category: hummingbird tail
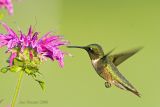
[124,87]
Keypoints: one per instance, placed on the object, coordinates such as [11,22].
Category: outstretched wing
[119,80]
[121,57]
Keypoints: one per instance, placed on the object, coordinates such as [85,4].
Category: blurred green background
[124,24]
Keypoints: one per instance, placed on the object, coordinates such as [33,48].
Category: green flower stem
[17,88]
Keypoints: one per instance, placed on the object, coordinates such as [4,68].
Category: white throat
[95,61]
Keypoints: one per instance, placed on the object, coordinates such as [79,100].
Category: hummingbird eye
[91,50]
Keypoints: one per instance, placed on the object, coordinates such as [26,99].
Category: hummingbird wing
[122,86]
[118,79]
[121,57]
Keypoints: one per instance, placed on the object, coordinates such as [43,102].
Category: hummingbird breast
[96,65]
[101,70]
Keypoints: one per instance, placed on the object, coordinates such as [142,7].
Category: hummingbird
[106,66]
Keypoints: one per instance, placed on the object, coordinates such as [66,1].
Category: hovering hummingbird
[106,66]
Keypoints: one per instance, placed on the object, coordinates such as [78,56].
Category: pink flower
[27,52]
[8,5]
[46,47]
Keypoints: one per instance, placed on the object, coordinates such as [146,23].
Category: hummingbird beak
[82,47]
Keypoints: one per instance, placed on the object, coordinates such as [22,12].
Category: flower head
[28,48]
[8,5]
[27,52]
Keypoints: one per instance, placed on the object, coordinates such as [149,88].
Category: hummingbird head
[95,51]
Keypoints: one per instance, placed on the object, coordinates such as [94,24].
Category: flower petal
[9,30]
[13,55]
[9,6]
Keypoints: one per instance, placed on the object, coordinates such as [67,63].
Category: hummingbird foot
[107,84]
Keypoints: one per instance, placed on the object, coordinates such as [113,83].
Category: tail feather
[124,87]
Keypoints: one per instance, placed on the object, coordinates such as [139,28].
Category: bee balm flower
[27,52]
[29,44]
[8,5]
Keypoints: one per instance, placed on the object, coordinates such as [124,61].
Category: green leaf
[36,60]
[18,62]
[4,69]
[34,63]
[31,70]
[15,68]
[28,71]
[41,83]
